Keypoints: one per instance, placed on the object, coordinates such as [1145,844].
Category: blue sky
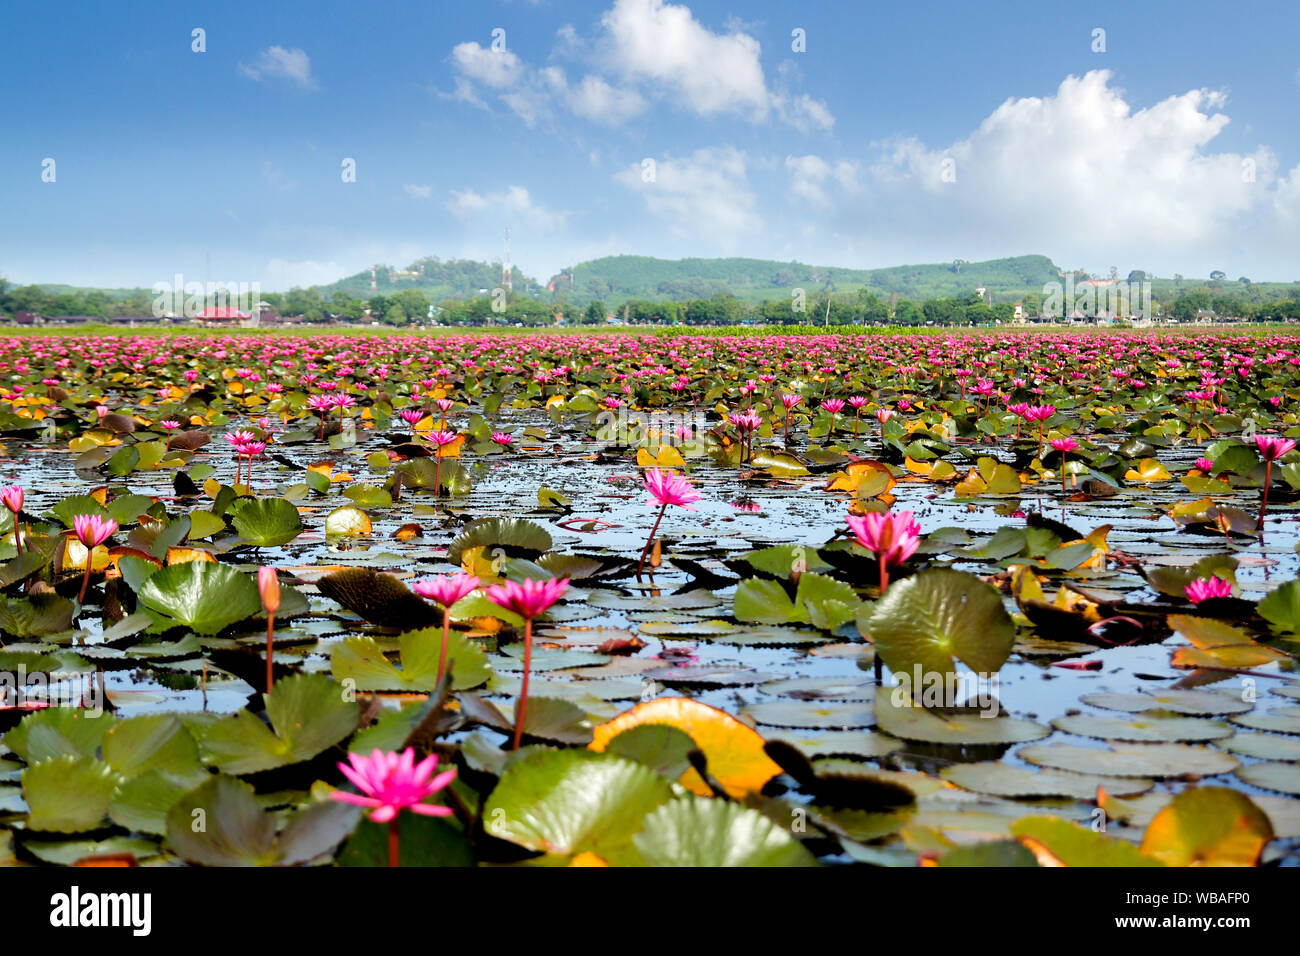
[915,132]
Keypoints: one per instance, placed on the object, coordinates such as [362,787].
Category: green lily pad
[1131,760]
[1276,776]
[68,794]
[1076,845]
[573,801]
[932,619]
[1002,780]
[308,712]
[202,595]
[268,522]
[697,831]
[1154,730]
[967,727]
[221,824]
[360,660]
[1210,702]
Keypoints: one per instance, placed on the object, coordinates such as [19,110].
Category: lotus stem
[90,552]
[393,841]
[270,652]
[446,637]
[1263,501]
[650,540]
[521,711]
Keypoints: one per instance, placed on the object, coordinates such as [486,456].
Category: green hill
[437,278]
[616,279]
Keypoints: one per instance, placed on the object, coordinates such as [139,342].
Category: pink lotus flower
[1040,413]
[170,424]
[1203,589]
[12,497]
[891,537]
[446,589]
[1203,464]
[857,401]
[883,415]
[1064,444]
[790,401]
[833,405]
[410,415]
[502,438]
[1271,447]
[92,530]
[441,438]
[670,488]
[391,782]
[527,599]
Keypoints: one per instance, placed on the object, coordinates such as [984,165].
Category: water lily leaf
[1208,826]
[347,520]
[424,841]
[379,598]
[58,731]
[998,853]
[779,464]
[150,742]
[268,522]
[1208,702]
[811,715]
[1281,608]
[84,852]
[1262,746]
[1154,729]
[664,749]
[1058,842]
[143,802]
[308,714]
[68,794]
[36,616]
[1002,780]
[666,457]
[518,537]
[1277,776]
[1273,723]
[937,617]
[1131,760]
[573,801]
[734,751]
[238,832]
[822,688]
[695,831]
[911,722]
[368,496]
[204,596]
[359,659]
[1148,470]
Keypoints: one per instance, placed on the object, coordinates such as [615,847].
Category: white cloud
[704,195]
[512,204]
[644,50]
[594,98]
[495,68]
[1084,165]
[276,61]
[809,175]
[708,73]
[418,192]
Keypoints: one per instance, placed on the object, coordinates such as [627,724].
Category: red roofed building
[216,313]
